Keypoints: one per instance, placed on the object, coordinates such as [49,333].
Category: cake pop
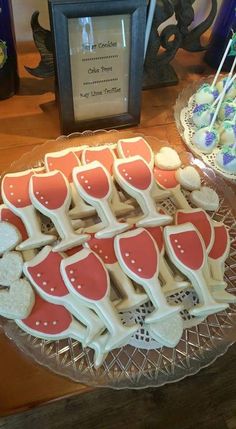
[228,132]
[202,115]
[227,110]
[207,138]
[226,158]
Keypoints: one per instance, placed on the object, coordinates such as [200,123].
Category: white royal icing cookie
[167,158]
[17,301]
[11,266]
[9,237]
[206,198]
[189,178]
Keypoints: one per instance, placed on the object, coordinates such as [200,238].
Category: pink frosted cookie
[171,284]
[15,194]
[54,322]
[138,256]
[50,194]
[65,161]
[166,179]
[104,248]
[106,156]
[136,146]
[94,184]
[87,278]
[136,178]
[187,251]
[44,273]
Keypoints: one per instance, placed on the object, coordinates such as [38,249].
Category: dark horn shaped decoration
[162,46]
[43,42]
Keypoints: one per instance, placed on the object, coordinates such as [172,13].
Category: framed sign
[99,51]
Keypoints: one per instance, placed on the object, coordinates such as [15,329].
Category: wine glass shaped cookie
[15,194]
[138,146]
[65,161]
[187,251]
[136,178]
[138,256]
[53,322]
[50,194]
[43,271]
[106,156]
[105,249]
[94,184]
[200,219]
[217,257]
[86,276]
[171,283]
[166,179]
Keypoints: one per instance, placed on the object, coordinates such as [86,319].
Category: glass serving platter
[142,363]
[183,111]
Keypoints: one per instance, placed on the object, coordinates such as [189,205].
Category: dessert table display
[32,126]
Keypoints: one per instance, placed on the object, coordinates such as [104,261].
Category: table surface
[26,120]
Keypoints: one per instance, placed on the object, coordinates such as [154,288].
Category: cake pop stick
[15,194]
[65,161]
[44,274]
[106,156]
[166,179]
[136,178]
[170,284]
[222,62]
[94,183]
[53,322]
[86,276]
[50,193]
[105,249]
[187,251]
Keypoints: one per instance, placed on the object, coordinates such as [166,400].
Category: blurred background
[23,10]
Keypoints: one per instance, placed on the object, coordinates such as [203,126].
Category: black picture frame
[60,12]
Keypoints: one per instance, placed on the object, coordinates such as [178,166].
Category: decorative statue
[162,46]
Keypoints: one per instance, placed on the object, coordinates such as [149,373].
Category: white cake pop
[226,158]
[202,115]
[228,132]
[227,110]
[206,94]
[205,139]
[231,91]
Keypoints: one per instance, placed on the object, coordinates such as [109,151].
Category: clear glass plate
[183,111]
[144,363]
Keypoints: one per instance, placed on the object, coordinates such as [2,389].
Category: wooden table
[29,119]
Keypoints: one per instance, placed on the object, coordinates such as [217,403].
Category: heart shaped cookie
[17,301]
[167,159]
[11,266]
[189,178]
[206,198]
[9,237]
